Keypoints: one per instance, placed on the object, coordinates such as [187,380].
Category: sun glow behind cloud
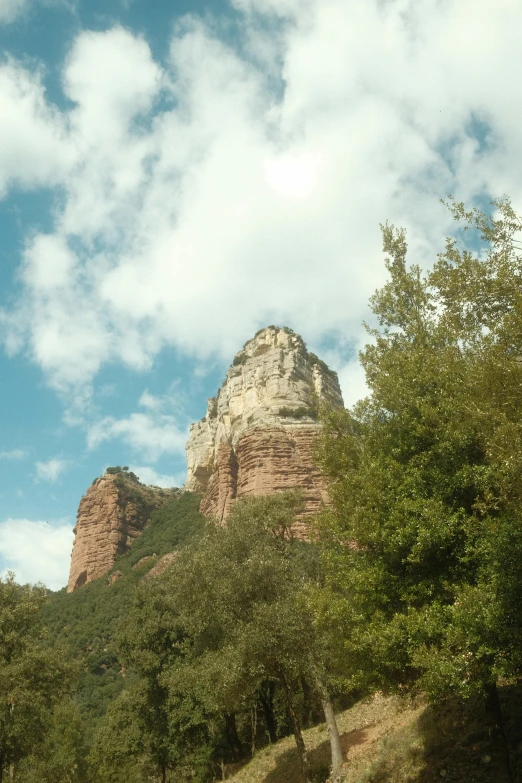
[294,176]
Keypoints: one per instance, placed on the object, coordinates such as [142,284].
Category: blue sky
[175,175]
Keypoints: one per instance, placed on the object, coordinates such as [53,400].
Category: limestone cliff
[114,510]
[257,434]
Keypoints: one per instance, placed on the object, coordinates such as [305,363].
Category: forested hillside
[87,621]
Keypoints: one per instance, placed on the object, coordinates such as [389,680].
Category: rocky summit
[257,435]
[256,438]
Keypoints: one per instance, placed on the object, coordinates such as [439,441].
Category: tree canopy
[426,472]
[214,636]
[32,679]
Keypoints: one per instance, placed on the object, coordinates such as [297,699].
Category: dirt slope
[390,740]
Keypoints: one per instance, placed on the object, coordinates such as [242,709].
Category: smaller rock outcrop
[161,566]
[115,509]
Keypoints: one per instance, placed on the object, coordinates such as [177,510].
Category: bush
[298,413]
[239,358]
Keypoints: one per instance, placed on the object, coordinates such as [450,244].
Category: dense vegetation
[414,584]
[86,620]
[426,477]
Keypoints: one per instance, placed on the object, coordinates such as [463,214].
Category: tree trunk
[307,703]
[267,703]
[232,735]
[333,731]
[1,765]
[298,735]
[496,731]
[253,716]
[163,774]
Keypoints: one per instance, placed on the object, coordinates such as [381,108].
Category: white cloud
[51,470]
[14,454]
[291,176]
[35,149]
[148,475]
[150,401]
[36,551]
[229,204]
[10,9]
[353,383]
[151,436]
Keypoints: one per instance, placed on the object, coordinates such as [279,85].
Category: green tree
[240,598]
[32,678]
[129,746]
[146,722]
[62,755]
[425,530]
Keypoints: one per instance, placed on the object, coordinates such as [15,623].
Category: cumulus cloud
[35,149]
[51,470]
[10,9]
[36,551]
[205,196]
[151,436]
[148,475]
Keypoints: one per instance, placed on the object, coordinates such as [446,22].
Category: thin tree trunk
[307,702]
[163,774]
[333,731]
[298,735]
[253,716]
[268,710]
[1,766]
[496,730]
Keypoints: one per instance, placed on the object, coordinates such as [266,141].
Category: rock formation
[256,438]
[257,434]
[114,510]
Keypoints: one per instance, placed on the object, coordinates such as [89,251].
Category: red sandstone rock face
[265,461]
[258,433]
[113,511]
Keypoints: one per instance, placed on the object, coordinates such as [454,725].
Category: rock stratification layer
[257,435]
[114,510]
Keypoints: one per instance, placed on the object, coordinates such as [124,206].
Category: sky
[176,175]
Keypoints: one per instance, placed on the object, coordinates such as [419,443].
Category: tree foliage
[62,755]
[425,531]
[214,635]
[32,678]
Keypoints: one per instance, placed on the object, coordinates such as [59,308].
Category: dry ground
[392,740]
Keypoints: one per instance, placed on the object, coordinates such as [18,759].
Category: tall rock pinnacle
[258,431]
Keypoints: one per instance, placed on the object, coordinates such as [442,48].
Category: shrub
[298,413]
[239,358]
